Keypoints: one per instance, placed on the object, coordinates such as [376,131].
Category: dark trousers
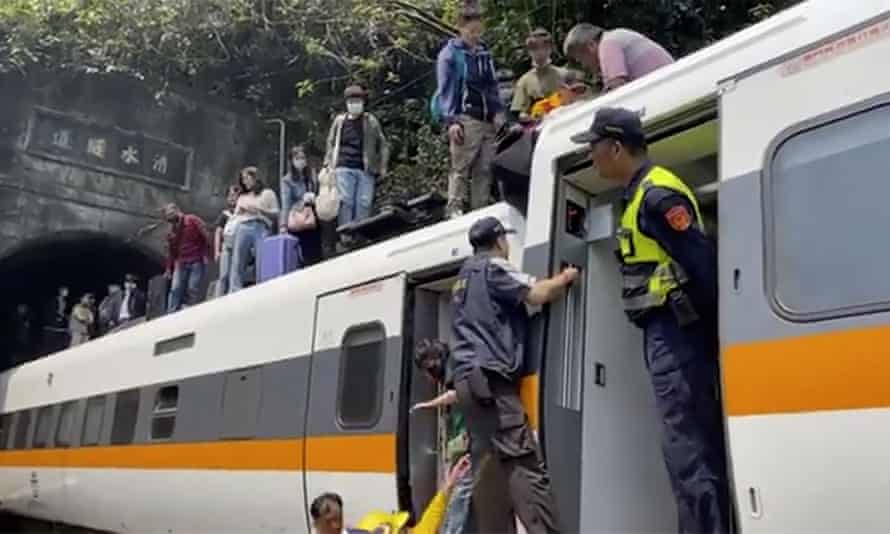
[684,374]
[510,474]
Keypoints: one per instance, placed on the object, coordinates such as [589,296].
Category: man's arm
[445,399]
[613,64]
[550,289]
[509,285]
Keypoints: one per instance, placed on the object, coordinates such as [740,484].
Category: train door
[805,299]
[600,427]
[354,395]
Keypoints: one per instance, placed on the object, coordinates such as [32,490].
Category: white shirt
[125,307]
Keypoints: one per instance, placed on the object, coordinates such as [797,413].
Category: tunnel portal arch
[84,261]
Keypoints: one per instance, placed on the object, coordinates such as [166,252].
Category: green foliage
[292,58]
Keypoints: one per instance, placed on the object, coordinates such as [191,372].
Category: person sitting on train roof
[619,56]
[430,521]
[570,90]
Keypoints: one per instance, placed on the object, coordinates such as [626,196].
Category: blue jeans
[457,514]
[187,281]
[248,238]
[356,190]
[225,265]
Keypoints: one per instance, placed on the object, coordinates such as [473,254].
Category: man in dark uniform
[669,271]
[490,304]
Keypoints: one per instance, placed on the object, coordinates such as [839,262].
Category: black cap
[486,230]
[614,123]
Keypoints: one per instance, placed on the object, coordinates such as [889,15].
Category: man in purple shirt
[619,56]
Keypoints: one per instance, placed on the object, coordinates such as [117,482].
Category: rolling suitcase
[158,289]
[279,254]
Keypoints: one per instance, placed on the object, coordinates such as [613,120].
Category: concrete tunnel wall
[87,161]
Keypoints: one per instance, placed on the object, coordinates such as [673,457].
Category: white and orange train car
[233,415]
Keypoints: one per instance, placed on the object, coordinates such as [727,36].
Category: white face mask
[299,163]
[355,107]
[130,286]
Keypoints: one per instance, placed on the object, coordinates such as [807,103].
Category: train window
[5,430]
[126,410]
[824,228]
[92,421]
[44,427]
[163,417]
[65,426]
[362,363]
[22,428]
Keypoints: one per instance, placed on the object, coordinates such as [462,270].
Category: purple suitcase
[279,254]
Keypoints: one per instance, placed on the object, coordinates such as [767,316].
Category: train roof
[236,331]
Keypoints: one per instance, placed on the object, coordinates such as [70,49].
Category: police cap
[614,123]
[487,230]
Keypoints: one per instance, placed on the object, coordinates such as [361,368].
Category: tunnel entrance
[84,262]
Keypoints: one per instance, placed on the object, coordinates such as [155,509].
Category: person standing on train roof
[491,301]
[618,56]
[669,290]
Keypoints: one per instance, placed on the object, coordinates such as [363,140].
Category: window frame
[131,431]
[768,180]
[27,435]
[379,380]
[7,422]
[103,401]
[57,436]
[163,413]
[44,412]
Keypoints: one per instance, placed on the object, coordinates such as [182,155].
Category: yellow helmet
[376,519]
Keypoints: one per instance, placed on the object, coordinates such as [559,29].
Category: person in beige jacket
[80,325]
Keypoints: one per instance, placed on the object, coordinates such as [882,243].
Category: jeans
[248,238]
[356,190]
[187,281]
[457,514]
[225,265]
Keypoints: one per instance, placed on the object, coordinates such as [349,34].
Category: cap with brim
[487,230]
[613,123]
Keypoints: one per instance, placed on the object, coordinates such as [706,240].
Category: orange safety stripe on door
[373,453]
[842,370]
[528,393]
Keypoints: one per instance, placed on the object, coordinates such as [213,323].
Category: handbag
[301,218]
[327,201]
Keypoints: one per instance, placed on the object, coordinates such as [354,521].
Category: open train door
[805,296]
[354,395]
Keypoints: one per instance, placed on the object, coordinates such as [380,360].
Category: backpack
[460,63]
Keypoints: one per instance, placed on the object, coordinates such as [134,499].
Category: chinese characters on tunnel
[108,148]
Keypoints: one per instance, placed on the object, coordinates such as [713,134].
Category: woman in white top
[257,213]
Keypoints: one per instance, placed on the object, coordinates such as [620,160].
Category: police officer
[668,267]
[490,304]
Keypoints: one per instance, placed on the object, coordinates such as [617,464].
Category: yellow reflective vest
[645,288]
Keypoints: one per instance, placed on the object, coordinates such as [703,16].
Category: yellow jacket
[429,522]
[432,517]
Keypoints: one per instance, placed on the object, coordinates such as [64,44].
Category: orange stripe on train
[843,370]
[373,453]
